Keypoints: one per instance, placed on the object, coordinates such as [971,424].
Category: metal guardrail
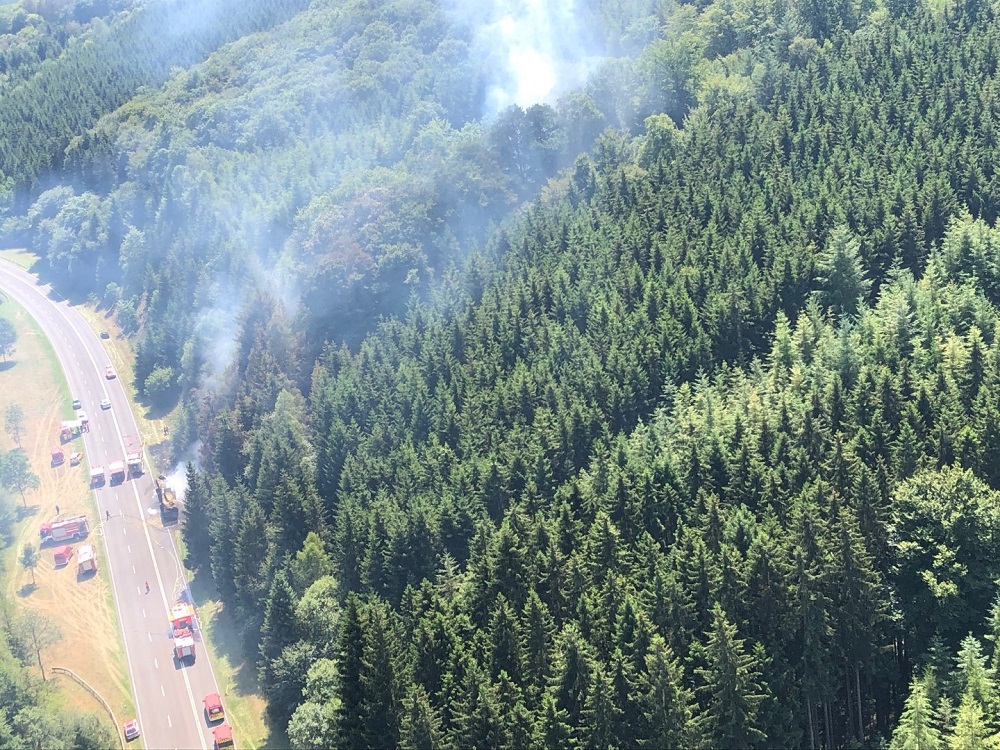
[86,686]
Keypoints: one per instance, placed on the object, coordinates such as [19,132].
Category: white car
[131,730]
[106,403]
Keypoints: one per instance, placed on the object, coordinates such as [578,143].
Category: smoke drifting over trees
[533,50]
[565,373]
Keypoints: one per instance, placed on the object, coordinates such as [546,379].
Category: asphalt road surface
[168,695]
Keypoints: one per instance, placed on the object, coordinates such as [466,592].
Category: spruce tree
[731,684]
[279,628]
[506,641]
[381,707]
[552,731]
[971,730]
[350,716]
[972,678]
[841,274]
[516,725]
[574,674]
[421,727]
[537,633]
[917,728]
[665,703]
[197,521]
[477,716]
[601,717]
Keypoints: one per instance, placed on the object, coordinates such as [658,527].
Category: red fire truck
[64,530]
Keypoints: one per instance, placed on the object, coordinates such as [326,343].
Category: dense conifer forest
[661,415]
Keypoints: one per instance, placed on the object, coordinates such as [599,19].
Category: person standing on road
[107,515]
[147,587]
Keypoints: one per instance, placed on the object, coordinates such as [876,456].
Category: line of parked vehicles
[62,530]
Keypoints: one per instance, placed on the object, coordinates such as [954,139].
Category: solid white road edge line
[149,542]
[121,624]
[156,568]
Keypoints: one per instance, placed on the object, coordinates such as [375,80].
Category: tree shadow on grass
[226,642]
[159,409]
[23,512]
[226,635]
[161,453]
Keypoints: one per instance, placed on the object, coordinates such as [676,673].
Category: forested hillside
[700,452]
[337,161]
[698,449]
[102,69]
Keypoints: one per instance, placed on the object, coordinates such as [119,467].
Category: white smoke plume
[176,479]
[538,48]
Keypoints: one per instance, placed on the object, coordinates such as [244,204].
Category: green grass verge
[234,672]
[20,257]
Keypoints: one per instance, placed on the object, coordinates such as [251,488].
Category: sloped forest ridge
[661,415]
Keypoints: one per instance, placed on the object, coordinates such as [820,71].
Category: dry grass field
[90,645]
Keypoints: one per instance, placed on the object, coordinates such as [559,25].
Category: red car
[213,707]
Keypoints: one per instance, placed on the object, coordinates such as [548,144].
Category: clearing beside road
[84,612]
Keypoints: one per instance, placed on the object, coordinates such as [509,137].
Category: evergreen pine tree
[601,717]
[574,674]
[970,730]
[195,531]
[552,732]
[665,702]
[421,727]
[379,680]
[841,273]
[516,724]
[971,677]
[917,728]
[279,628]
[506,641]
[477,716]
[731,683]
[350,716]
[537,633]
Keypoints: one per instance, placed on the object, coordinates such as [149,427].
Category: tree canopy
[662,414]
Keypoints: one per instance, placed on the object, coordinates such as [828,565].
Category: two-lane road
[168,696]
